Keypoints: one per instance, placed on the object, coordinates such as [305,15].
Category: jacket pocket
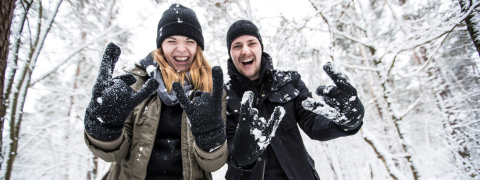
[233,105]
[284,95]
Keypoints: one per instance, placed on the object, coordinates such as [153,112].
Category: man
[273,148]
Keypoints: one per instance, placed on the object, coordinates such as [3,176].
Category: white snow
[100,100]
[353,98]
[320,107]
[247,96]
[150,69]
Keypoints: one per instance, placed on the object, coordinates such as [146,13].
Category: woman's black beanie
[179,20]
[240,28]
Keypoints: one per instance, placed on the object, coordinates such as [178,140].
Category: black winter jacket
[279,88]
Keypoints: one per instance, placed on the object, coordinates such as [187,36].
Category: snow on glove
[343,97]
[205,113]
[253,134]
[113,99]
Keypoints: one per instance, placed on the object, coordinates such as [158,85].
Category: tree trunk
[472,21]
[6,16]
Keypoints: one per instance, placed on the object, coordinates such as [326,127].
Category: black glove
[253,134]
[343,97]
[205,113]
[113,99]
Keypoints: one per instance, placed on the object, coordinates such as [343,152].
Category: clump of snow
[336,70]
[341,120]
[100,119]
[100,100]
[352,98]
[263,140]
[327,89]
[145,110]
[296,92]
[248,95]
[179,21]
[150,69]
[320,107]
[286,97]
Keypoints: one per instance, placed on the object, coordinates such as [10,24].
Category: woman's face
[179,52]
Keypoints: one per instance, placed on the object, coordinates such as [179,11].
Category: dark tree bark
[6,16]
[472,21]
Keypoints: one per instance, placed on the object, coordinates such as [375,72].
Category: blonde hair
[200,71]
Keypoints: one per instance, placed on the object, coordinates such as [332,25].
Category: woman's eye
[191,41]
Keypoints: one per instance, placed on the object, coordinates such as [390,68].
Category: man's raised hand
[253,134]
[343,97]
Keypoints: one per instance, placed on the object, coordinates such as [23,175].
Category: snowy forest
[413,62]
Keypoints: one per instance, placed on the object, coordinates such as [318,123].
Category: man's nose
[245,49]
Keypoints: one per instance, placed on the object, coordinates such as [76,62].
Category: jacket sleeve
[316,126]
[112,151]
[117,150]
[212,161]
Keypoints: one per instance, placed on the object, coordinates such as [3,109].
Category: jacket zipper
[263,173]
[188,143]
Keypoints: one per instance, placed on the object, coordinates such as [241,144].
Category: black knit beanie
[240,28]
[179,20]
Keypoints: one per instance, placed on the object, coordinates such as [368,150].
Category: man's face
[246,53]
[180,52]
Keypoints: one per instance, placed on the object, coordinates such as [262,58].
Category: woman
[147,135]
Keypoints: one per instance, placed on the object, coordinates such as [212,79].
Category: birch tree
[50,145]
[6,17]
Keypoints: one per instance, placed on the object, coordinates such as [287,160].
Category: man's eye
[251,44]
[236,47]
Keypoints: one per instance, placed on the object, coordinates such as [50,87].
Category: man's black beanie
[179,20]
[240,28]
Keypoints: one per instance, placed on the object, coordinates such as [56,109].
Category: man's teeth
[181,58]
[247,60]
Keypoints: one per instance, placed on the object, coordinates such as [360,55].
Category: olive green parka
[130,153]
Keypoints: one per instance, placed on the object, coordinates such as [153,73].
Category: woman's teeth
[181,58]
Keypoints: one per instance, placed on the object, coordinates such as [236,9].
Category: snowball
[150,69]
